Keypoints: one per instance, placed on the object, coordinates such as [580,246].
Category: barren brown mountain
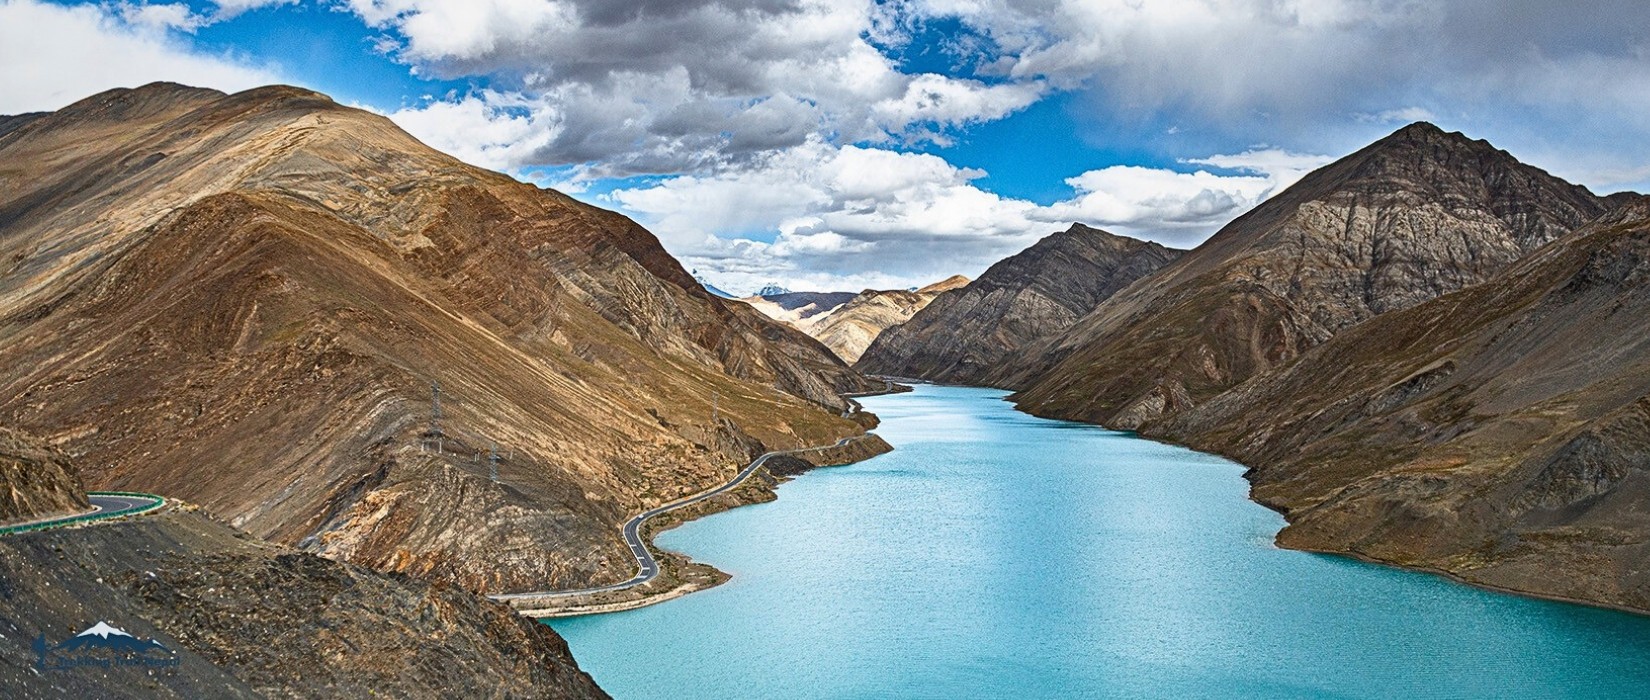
[967,335]
[244,301]
[1416,215]
[1500,433]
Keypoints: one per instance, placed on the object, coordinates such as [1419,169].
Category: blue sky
[840,144]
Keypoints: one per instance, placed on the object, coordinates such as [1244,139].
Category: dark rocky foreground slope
[244,301]
[251,619]
[239,617]
[1416,215]
[1500,433]
[966,335]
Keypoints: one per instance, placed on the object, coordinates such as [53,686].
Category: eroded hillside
[1500,433]
[245,301]
[1414,216]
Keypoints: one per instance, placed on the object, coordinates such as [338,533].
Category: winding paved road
[648,566]
[105,505]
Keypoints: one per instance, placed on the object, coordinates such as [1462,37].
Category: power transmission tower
[715,405]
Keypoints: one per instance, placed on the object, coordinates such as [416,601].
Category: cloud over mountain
[731,124]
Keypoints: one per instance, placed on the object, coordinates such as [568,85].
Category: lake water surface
[997,555]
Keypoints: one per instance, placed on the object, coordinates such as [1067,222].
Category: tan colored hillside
[850,329]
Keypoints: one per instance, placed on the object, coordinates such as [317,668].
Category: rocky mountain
[851,327]
[966,335]
[1500,433]
[1414,216]
[39,482]
[247,300]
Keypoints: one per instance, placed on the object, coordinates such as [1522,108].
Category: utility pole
[715,401]
[434,433]
[492,459]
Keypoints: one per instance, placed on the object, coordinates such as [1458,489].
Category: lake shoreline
[684,575]
[1349,554]
[997,554]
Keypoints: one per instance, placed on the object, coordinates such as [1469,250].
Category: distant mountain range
[713,289]
[1429,353]
[846,322]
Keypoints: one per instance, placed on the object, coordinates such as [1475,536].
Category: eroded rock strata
[1414,216]
[240,617]
[246,618]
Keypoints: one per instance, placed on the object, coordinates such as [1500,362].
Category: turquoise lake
[997,555]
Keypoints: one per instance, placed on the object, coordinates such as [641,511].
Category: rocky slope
[244,301]
[1416,215]
[965,336]
[251,619]
[38,480]
[851,327]
[1500,433]
[245,618]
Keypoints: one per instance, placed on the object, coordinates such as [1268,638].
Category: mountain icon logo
[102,645]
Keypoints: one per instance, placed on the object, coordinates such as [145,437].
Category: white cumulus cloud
[55,55]
[850,217]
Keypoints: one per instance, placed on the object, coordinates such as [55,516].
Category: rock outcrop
[37,480]
[245,301]
[1414,216]
[967,335]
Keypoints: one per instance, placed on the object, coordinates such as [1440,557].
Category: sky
[843,145]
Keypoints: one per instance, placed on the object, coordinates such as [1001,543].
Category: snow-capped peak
[102,629]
